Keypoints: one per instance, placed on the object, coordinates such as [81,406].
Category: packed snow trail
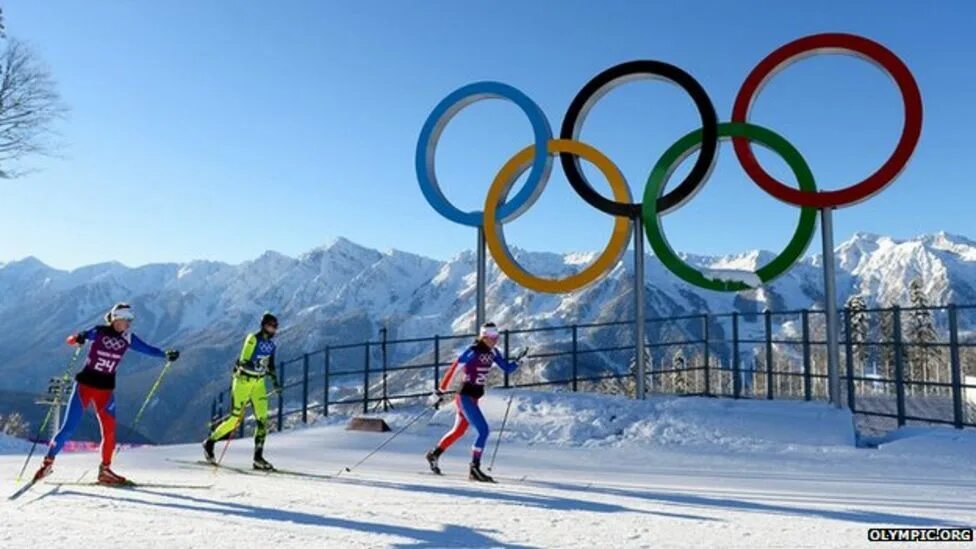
[611,473]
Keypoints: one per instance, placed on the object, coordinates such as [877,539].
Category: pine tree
[886,368]
[857,308]
[923,356]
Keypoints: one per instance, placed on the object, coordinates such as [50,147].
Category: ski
[131,484]
[22,490]
[255,472]
[464,478]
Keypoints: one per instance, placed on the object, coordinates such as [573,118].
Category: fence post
[281,400]
[708,381]
[506,357]
[807,388]
[575,360]
[956,367]
[849,349]
[769,354]
[437,361]
[899,366]
[305,388]
[325,390]
[366,380]
[736,370]
[386,403]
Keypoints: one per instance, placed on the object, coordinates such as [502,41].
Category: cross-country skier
[95,385]
[256,361]
[475,364]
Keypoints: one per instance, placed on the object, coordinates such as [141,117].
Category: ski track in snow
[668,472]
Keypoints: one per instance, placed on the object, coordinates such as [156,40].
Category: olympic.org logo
[265,347]
[537,158]
[485,359]
[114,343]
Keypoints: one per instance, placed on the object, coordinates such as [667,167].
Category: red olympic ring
[831,43]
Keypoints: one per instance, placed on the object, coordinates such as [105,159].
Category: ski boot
[208,451]
[478,475]
[260,463]
[107,476]
[432,457]
[46,468]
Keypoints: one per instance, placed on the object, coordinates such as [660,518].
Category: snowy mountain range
[344,292]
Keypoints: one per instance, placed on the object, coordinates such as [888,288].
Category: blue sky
[219,130]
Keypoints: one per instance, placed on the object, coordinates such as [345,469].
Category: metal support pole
[325,390]
[707,357]
[830,304]
[849,351]
[386,403]
[639,313]
[305,388]
[575,358]
[899,366]
[507,352]
[769,354]
[366,380]
[736,367]
[281,402]
[956,367]
[807,389]
[437,361]
[482,282]
[56,419]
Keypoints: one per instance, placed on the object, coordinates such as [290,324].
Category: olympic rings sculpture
[537,160]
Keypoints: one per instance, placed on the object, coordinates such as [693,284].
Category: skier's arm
[449,376]
[81,337]
[273,372]
[505,365]
[141,346]
[247,351]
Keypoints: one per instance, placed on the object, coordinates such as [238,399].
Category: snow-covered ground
[574,471]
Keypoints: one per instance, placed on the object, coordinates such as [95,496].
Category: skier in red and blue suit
[95,386]
[474,364]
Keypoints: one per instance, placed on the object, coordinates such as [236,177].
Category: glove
[518,358]
[172,355]
[435,399]
[275,384]
[77,339]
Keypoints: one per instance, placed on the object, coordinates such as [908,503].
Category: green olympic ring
[673,157]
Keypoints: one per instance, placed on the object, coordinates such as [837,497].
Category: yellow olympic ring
[495,235]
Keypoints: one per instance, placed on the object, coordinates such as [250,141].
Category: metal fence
[898,365]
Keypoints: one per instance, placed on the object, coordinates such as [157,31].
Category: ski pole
[230,437]
[152,391]
[501,431]
[66,376]
[415,418]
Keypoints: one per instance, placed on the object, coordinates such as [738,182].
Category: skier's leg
[240,394]
[473,413]
[456,432]
[105,409]
[259,402]
[72,416]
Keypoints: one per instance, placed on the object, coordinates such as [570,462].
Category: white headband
[489,332]
[122,314]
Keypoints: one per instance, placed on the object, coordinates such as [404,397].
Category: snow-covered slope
[681,472]
[343,292]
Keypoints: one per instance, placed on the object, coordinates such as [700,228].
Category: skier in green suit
[257,361]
